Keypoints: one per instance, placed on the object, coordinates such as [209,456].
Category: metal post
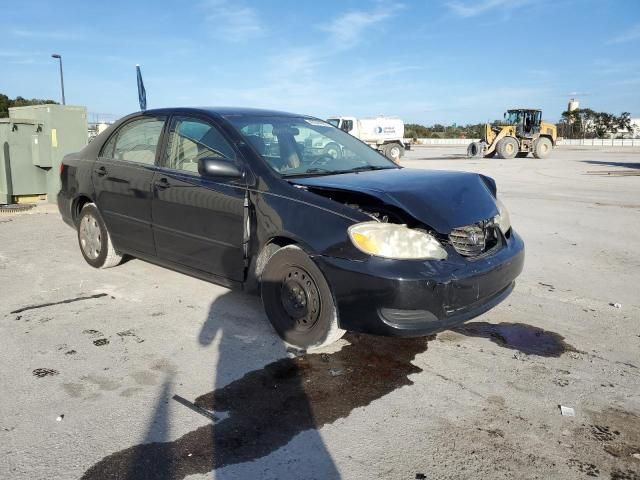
[7,172]
[59,57]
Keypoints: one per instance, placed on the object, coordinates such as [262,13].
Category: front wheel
[94,240]
[507,147]
[298,300]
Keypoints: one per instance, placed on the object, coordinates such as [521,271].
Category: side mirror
[218,167]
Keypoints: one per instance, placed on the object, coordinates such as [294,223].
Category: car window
[191,139]
[107,149]
[137,141]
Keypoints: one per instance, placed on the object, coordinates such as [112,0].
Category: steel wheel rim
[300,298]
[395,152]
[90,237]
[509,148]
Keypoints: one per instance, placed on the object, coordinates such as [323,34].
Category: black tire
[333,150]
[393,151]
[97,250]
[522,154]
[542,148]
[298,300]
[475,149]
[507,147]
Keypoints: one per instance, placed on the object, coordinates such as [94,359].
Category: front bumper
[413,298]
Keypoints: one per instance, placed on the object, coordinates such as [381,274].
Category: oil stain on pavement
[519,336]
[266,408]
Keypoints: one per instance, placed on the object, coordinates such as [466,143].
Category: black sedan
[334,240]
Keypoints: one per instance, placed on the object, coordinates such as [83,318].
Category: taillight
[61,168]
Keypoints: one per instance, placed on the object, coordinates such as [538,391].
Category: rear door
[198,222]
[122,178]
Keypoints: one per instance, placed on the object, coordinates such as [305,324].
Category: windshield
[334,121]
[297,146]
[513,117]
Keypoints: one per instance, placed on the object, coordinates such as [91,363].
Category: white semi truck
[385,134]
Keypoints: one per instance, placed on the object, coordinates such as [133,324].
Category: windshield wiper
[311,172]
[364,168]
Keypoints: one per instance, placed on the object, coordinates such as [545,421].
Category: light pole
[59,57]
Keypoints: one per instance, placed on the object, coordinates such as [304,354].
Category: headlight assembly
[502,219]
[389,240]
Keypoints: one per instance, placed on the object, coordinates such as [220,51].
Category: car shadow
[263,408]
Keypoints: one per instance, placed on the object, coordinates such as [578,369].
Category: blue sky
[426,61]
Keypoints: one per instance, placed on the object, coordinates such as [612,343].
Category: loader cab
[526,121]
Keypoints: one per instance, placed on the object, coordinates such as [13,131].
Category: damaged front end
[472,240]
[421,271]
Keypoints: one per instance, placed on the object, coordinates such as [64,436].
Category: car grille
[473,240]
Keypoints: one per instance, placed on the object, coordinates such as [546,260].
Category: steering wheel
[321,160]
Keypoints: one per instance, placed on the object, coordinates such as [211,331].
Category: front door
[122,177]
[198,222]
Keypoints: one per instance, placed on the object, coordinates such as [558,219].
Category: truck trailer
[385,134]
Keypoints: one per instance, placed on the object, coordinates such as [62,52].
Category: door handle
[162,183]
[101,171]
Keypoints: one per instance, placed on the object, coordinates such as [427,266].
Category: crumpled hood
[441,199]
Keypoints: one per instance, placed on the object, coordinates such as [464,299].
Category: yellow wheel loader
[522,132]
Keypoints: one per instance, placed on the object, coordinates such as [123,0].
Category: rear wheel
[507,147]
[393,151]
[94,240]
[298,300]
[542,147]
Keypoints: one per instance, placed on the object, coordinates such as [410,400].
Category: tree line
[580,123]
[415,131]
[6,103]
[587,123]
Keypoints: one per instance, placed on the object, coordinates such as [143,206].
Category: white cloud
[630,35]
[234,21]
[475,8]
[45,34]
[346,30]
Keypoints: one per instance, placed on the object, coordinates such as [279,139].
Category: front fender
[317,229]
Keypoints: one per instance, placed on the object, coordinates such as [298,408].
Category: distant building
[573,105]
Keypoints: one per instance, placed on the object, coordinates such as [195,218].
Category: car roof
[224,111]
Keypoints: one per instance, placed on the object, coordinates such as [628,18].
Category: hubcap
[90,237]
[300,298]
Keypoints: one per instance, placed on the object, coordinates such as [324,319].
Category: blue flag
[142,93]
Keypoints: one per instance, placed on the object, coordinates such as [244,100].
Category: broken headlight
[502,219]
[389,240]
